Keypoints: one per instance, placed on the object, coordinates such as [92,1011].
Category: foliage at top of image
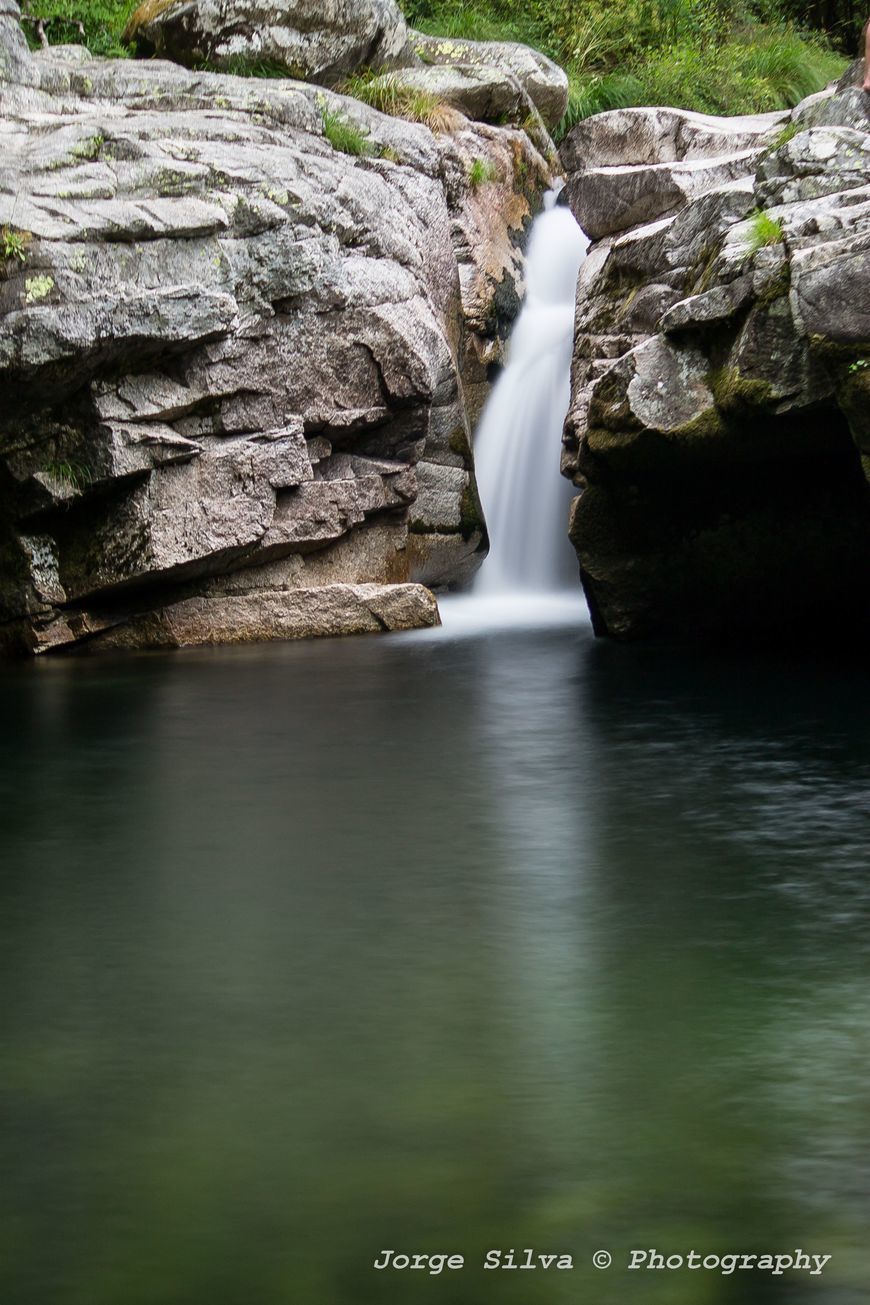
[97,24]
[714,56]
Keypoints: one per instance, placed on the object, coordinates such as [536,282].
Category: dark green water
[433,945]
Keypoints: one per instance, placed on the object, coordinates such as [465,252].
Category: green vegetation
[98,24]
[70,476]
[715,56]
[788,133]
[388,94]
[344,135]
[37,287]
[481,172]
[13,245]
[860,365]
[763,231]
[89,150]
[240,66]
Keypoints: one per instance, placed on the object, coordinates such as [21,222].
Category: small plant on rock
[389,94]
[480,172]
[68,477]
[788,133]
[764,231]
[13,245]
[344,135]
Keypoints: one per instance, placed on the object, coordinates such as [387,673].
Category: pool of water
[488,938]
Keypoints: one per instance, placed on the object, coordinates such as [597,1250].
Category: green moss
[470,512]
[89,150]
[777,288]
[737,394]
[707,425]
[702,274]
[458,444]
[788,133]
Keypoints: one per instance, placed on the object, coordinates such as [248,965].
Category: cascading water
[517,446]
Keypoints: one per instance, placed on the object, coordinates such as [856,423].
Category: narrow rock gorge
[246,326]
[720,416]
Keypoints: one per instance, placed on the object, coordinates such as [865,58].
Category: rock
[236,359]
[315,40]
[322,612]
[544,82]
[643,137]
[490,81]
[721,447]
[482,93]
[632,166]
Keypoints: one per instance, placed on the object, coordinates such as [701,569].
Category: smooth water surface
[433,943]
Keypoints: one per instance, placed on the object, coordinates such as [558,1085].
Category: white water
[518,443]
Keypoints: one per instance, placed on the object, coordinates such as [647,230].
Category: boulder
[315,40]
[718,429]
[632,166]
[482,93]
[237,359]
[544,83]
[492,81]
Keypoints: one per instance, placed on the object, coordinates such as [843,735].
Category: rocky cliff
[720,416]
[244,327]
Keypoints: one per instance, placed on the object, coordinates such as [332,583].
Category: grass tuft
[70,477]
[344,135]
[782,138]
[387,93]
[481,172]
[764,230]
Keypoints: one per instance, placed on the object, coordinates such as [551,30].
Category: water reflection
[432,944]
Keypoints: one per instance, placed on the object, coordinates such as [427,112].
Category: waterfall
[518,443]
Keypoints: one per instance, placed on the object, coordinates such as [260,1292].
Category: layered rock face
[238,365]
[720,417]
